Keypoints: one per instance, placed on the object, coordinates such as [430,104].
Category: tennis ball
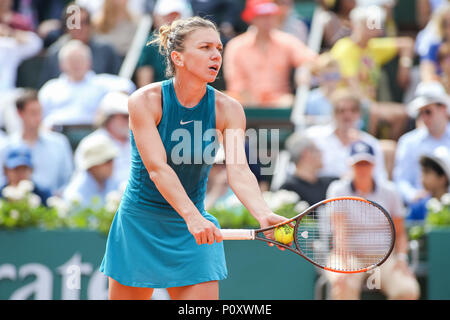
[284,234]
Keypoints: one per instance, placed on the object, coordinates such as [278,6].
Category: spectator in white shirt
[15,47]
[334,140]
[93,180]
[431,107]
[73,98]
[51,151]
[112,122]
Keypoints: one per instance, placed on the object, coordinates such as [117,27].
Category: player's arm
[144,108]
[240,178]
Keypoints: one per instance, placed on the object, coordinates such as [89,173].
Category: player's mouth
[214,68]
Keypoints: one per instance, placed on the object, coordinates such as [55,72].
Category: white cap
[165,7]
[94,150]
[441,155]
[428,93]
[112,103]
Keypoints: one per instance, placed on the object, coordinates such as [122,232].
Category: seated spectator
[18,167]
[12,19]
[15,47]
[224,13]
[337,23]
[51,151]
[151,66]
[326,77]
[73,98]
[308,162]
[93,179]
[112,122]
[435,180]
[444,66]
[431,109]
[361,57]
[104,58]
[290,21]
[115,25]
[429,62]
[397,280]
[258,63]
[334,140]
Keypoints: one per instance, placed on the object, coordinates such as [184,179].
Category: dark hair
[27,95]
[430,164]
[171,37]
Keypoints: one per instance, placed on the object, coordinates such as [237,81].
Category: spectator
[334,140]
[291,22]
[104,58]
[73,98]
[18,167]
[444,66]
[398,282]
[258,63]
[112,122]
[94,178]
[115,24]
[361,57]
[137,7]
[12,19]
[308,161]
[151,65]
[337,24]
[224,13]
[15,47]
[431,109]
[429,61]
[51,151]
[435,180]
[327,76]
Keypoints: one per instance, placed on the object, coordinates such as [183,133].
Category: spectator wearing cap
[104,58]
[151,66]
[73,98]
[18,167]
[51,151]
[112,122]
[431,108]
[258,63]
[306,181]
[334,140]
[398,282]
[94,175]
[435,180]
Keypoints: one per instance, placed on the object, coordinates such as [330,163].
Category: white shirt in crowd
[75,103]
[335,156]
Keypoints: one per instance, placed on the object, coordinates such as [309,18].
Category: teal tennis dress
[149,244]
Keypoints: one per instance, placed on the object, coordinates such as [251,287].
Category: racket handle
[238,234]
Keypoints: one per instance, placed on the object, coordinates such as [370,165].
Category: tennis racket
[345,234]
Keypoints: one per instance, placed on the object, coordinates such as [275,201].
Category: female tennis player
[161,236]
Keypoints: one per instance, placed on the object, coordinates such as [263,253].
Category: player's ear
[177,58]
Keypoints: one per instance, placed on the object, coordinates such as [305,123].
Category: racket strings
[345,235]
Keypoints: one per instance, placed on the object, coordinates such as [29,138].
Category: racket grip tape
[238,234]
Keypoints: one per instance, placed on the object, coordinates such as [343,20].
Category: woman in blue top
[161,236]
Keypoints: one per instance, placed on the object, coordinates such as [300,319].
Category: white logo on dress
[183,123]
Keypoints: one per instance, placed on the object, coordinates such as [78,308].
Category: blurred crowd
[376,112]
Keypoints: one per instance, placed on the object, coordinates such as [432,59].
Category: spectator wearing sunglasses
[431,109]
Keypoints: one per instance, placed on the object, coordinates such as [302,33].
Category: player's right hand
[203,230]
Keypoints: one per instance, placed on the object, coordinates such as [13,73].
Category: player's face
[202,55]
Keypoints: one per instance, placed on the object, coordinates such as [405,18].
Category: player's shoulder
[148,96]
[223,100]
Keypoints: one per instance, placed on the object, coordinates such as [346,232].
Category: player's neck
[188,91]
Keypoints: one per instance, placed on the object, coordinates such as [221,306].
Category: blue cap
[18,155]
[361,151]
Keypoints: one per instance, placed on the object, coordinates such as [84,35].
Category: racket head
[343,234]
